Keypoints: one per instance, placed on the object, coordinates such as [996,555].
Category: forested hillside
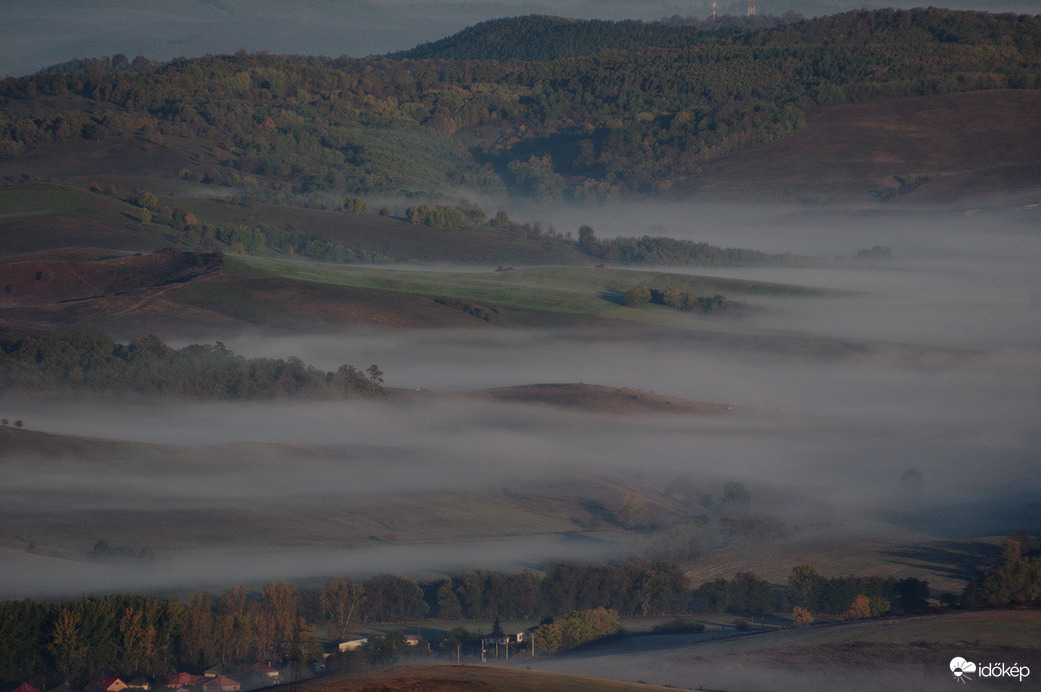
[640,118]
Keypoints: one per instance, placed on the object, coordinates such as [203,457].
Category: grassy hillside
[902,653]
[455,678]
[923,148]
[41,216]
[46,217]
[569,291]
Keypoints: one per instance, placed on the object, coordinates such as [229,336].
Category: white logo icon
[960,667]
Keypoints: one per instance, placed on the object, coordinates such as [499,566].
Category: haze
[929,361]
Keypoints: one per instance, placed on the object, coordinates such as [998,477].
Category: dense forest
[638,118]
[540,37]
[50,641]
[147,366]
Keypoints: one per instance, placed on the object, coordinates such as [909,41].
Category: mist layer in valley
[904,402]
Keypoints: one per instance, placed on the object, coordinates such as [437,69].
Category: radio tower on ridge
[713,11]
[751,8]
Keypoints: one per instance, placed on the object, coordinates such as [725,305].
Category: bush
[637,295]
[575,629]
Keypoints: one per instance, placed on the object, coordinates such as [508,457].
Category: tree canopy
[585,123]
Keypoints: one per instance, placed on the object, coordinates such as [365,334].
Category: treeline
[139,635]
[543,38]
[640,118]
[670,251]
[147,366]
[630,588]
[812,592]
[51,642]
[128,635]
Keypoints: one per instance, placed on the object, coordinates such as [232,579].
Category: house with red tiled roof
[104,684]
[220,683]
[182,680]
[25,687]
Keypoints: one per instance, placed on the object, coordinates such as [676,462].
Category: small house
[104,684]
[220,683]
[178,680]
[25,687]
[352,645]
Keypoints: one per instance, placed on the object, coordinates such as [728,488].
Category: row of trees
[630,588]
[445,215]
[142,635]
[669,251]
[810,592]
[809,589]
[670,297]
[594,124]
[148,366]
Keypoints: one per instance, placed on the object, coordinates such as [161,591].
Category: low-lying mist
[927,363]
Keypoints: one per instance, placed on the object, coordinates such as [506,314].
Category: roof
[25,687]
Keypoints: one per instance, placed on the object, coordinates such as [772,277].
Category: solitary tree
[586,237]
[355,205]
[860,608]
[341,600]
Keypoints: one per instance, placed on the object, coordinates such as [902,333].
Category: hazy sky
[38,33]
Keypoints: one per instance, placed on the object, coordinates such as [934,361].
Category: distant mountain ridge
[635,109]
[541,37]
[544,38]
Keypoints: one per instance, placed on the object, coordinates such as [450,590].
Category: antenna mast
[713,11]
[751,8]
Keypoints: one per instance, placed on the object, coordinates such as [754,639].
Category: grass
[570,291]
[32,201]
[957,145]
[452,678]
